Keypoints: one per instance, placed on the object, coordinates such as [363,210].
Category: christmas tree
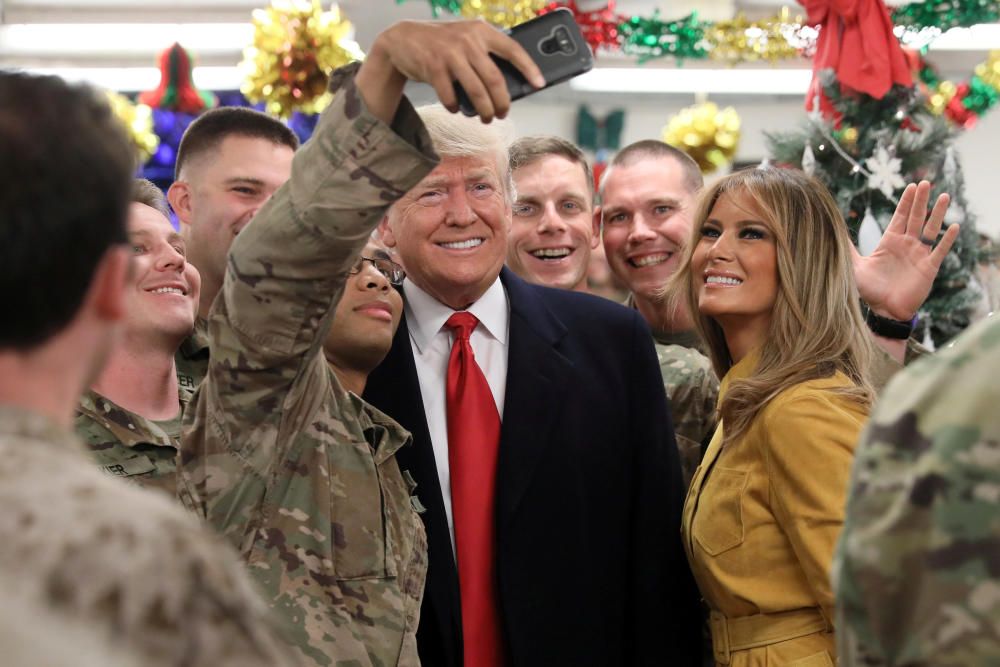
[866,151]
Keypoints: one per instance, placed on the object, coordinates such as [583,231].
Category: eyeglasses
[393,272]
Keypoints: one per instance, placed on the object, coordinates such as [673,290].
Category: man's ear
[385,233]
[107,291]
[179,196]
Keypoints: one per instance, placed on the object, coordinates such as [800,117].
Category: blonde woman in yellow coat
[769,274]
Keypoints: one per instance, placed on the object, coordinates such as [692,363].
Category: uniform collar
[129,428]
[196,344]
[383,432]
[689,339]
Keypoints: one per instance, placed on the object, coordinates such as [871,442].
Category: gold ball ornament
[989,71]
[708,134]
[940,98]
[295,46]
[500,13]
[138,122]
[849,137]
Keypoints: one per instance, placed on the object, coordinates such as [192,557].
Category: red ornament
[956,110]
[857,42]
[176,91]
[599,27]
[599,169]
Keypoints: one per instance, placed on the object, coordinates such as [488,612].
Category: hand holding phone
[557,46]
[439,53]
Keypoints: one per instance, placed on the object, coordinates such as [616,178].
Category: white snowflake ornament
[885,172]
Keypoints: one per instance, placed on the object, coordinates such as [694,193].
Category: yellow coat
[761,520]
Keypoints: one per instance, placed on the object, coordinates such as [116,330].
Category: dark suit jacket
[589,562]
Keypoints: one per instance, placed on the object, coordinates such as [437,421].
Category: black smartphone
[554,42]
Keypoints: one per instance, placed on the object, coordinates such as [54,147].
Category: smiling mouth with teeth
[551,253]
[168,290]
[649,260]
[462,245]
[722,280]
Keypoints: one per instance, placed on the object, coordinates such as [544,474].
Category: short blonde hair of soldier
[529,150]
[146,192]
[455,135]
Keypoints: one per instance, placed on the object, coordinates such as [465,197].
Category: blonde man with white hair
[543,451]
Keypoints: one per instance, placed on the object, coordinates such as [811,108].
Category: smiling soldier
[553,228]
[131,416]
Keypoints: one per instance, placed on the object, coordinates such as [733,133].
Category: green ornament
[981,96]
[649,38]
[946,14]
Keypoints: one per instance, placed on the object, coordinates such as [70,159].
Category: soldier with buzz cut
[229,163]
[648,194]
[283,456]
[916,574]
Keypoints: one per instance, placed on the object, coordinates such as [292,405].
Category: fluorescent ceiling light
[715,81]
[142,78]
[121,38]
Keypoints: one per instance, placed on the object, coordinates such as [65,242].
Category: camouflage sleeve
[693,390]
[808,449]
[916,573]
[287,269]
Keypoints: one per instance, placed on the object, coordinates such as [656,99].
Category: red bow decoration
[599,27]
[857,42]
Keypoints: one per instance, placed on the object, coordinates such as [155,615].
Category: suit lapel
[536,372]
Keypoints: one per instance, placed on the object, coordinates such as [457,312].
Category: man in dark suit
[543,451]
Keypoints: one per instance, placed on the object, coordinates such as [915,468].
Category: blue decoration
[169,126]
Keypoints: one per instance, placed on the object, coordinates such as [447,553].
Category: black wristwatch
[888,327]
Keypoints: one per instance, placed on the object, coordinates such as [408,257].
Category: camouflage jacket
[192,357]
[293,470]
[916,573]
[128,445]
[146,578]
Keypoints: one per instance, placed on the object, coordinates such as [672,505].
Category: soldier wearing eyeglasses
[282,455]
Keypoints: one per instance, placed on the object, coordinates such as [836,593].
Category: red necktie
[473,441]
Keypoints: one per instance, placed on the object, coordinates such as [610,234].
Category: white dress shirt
[431,343]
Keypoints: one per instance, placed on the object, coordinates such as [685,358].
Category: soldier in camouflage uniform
[139,442]
[124,568]
[915,572]
[293,469]
[192,357]
[128,445]
[648,195]
[229,163]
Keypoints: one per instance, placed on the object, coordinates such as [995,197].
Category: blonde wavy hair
[816,326]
